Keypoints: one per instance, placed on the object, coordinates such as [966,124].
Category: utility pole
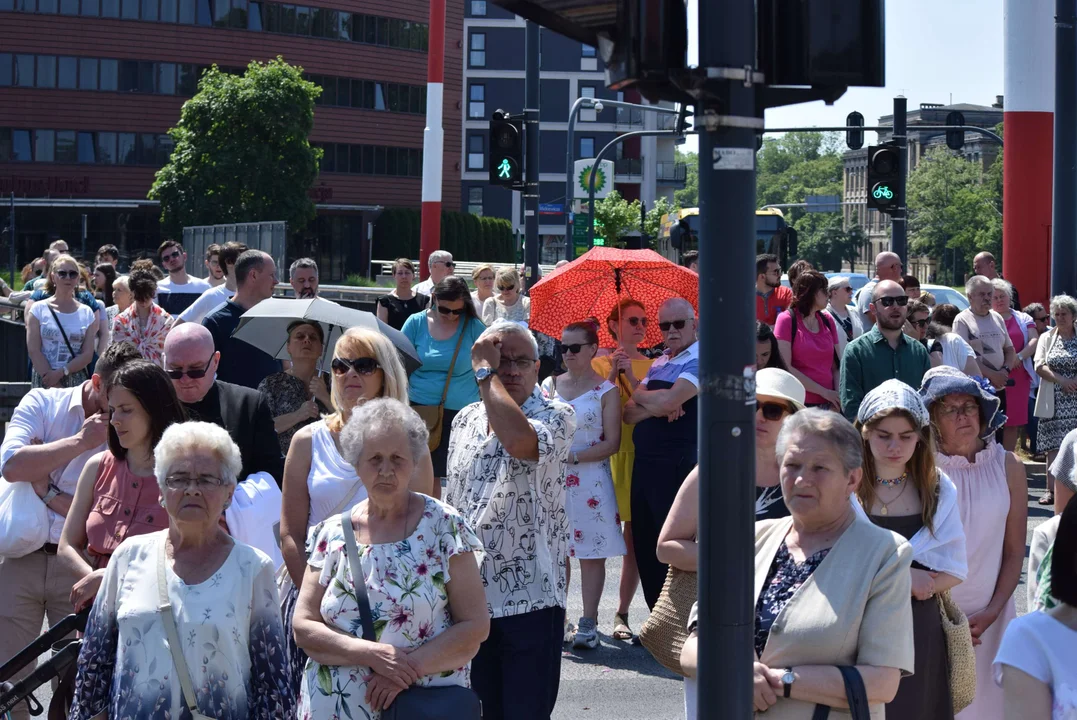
[1064,212]
[531,159]
[727,138]
[898,227]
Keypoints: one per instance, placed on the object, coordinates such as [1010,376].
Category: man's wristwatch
[787,681]
[483,373]
[51,494]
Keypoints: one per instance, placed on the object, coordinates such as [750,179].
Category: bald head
[888,266]
[186,337]
[885,288]
[189,348]
[679,306]
[984,264]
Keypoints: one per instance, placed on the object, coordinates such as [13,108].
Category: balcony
[671,174]
[628,117]
[628,169]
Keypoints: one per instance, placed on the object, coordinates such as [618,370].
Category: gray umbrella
[265,326]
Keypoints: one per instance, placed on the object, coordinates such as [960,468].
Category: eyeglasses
[886,302]
[201,482]
[516,364]
[362,366]
[919,323]
[446,263]
[485,278]
[67,274]
[678,324]
[193,373]
[636,321]
[573,348]
[773,411]
[1040,319]
[171,256]
[450,311]
[966,410]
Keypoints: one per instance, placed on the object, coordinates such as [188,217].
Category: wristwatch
[787,681]
[51,494]
[483,373]
[66,371]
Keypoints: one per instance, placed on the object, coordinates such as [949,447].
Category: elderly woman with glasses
[419,573]
[1056,401]
[992,496]
[187,618]
[509,303]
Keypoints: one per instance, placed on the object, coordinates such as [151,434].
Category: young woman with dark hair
[808,341]
[767,354]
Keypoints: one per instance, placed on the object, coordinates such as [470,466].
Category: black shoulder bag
[450,702]
[855,692]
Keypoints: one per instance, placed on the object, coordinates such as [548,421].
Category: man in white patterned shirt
[506,467]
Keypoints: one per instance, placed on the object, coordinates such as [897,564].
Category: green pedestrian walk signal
[507,170]
[506,151]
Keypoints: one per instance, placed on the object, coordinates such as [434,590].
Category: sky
[935,50]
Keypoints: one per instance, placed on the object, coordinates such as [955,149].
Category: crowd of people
[335,536]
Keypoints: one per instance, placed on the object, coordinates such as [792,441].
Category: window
[110,75]
[5,144]
[478,8]
[46,71]
[7,5]
[44,145]
[90,8]
[379,96]
[7,69]
[587,91]
[383,30]
[393,91]
[344,25]
[302,20]
[26,5]
[87,73]
[476,105]
[147,78]
[203,13]
[355,167]
[587,147]
[86,148]
[221,10]
[379,160]
[106,148]
[477,56]
[147,144]
[164,150]
[588,51]
[186,12]
[474,200]
[392,156]
[69,7]
[476,156]
[343,91]
[359,92]
[24,70]
[125,149]
[68,68]
[368,159]
[254,16]
[271,17]
[128,76]
[149,10]
[47,6]
[238,17]
[110,8]
[65,146]
[129,9]
[166,78]
[168,11]
[287,19]
[20,146]
[370,30]
[329,158]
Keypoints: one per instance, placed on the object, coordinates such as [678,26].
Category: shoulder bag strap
[174,644]
[63,333]
[855,693]
[452,365]
[358,578]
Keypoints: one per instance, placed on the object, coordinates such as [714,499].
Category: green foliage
[652,223]
[617,215]
[829,247]
[688,196]
[955,209]
[241,151]
[468,237]
[358,280]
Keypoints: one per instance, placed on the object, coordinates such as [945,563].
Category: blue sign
[551,208]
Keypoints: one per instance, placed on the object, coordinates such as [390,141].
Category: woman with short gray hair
[1056,401]
[1022,331]
[420,573]
[187,619]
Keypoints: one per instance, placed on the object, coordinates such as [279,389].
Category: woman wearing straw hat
[777,396]
[902,491]
[992,498]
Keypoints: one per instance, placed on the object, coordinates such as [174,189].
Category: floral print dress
[230,625]
[405,584]
[590,499]
[149,340]
[784,579]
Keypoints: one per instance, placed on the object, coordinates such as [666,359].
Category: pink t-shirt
[813,353]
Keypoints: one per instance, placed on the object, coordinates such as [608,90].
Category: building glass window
[587,147]
[129,9]
[125,149]
[359,93]
[203,13]
[476,105]
[383,30]
[343,91]
[344,26]
[147,78]
[221,10]
[5,144]
[24,70]
[110,75]
[44,145]
[237,19]
[147,145]
[168,11]
[46,71]
[128,76]
[7,69]
[69,7]
[90,8]
[20,146]
[110,8]
[7,5]
[588,51]
[149,10]
[106,148]
[166,78]
[302,20]
[186,12]
[477,56]
[86,153]
[476,155]
[66,151]
[474,200]
[478,8]
[356,156]
[164,150]
[287,19]
[68,71]
[587,91]
[48,7]
[254,17]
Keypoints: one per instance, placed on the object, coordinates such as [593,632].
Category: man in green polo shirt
[883,353]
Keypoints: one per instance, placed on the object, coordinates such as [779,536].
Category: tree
[652,222]
[241,152]
[830,247]
[616,216]
[688,196]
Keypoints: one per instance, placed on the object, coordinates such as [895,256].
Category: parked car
[945,294]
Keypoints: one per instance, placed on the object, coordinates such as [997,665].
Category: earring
[227,504]
[162,502]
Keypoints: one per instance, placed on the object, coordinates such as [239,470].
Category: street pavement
[620,681]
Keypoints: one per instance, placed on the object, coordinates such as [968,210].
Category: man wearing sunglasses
[177,291]
[192,363]
[884,352]
[663,409]
[441,266]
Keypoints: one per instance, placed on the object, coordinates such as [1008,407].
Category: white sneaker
[586,634]
[570,633]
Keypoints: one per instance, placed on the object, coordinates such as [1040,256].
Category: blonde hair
[480,270]
[506,275]
[50,286]
[360,342]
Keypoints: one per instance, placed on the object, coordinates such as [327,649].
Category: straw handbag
[959,649]
[666,629]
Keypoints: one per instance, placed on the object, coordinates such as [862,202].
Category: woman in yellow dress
[625,367]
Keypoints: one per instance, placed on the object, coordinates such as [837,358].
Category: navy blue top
[241,363]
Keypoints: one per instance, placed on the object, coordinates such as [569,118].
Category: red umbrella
[593,284]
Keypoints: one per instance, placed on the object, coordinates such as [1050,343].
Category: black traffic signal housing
[884,174]
[506,150]
[854,136]
[955,139]
[680,235]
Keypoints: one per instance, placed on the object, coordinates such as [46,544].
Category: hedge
[468,237]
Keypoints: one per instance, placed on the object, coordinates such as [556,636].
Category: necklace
[895,482]
[886,505]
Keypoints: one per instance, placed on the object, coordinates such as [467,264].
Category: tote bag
[24,520]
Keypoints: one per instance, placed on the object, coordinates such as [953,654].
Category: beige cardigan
[855,609]
[1045,396]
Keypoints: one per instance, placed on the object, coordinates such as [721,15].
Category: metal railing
[628,166]
[671,172]
[629,116]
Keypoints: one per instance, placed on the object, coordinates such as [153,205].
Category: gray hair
[974,282]
[508,327]
[303,264]
[678,303]
[122,281]
[438,256]
[180,439]
[378,415]
[1058,301]
[1004,286]
[825,425]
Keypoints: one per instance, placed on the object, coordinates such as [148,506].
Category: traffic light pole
[728,125]
[531,158]
[1064,207]
[898,227]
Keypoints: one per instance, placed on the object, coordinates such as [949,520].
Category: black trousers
[655,482]
[517,672]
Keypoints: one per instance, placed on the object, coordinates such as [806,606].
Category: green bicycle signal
[883,192]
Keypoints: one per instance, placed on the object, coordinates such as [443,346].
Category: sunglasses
[67,274]
[679,324]
[193,373]
[450,311]
[362,366]
[636,321]
[1040,319]
[171,256]
[446,263]
[773,411]
[890,301]
[919,323]
[506,288]
[573,348]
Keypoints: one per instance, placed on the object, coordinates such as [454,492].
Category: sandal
[1047,499]
[621,631]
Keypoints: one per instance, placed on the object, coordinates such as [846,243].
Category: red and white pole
[1029,87]
[433,139]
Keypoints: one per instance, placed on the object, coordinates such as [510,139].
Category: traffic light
[955,139]
[680,235]
[884,173]
[506,151]
[854,137]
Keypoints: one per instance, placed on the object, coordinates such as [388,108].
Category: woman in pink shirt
[808,341]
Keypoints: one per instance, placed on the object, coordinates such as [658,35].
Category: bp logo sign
[603,173]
